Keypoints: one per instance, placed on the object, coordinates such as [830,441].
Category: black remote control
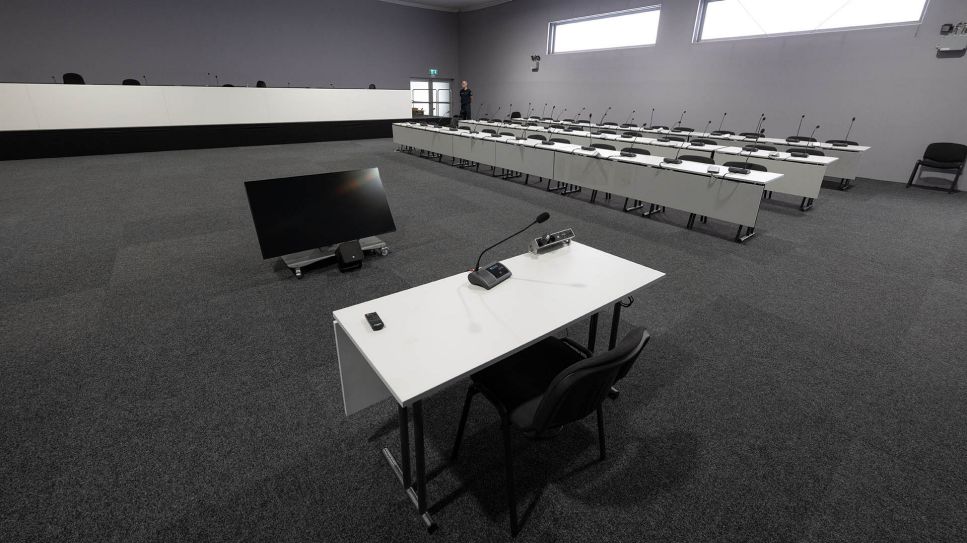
[375,322]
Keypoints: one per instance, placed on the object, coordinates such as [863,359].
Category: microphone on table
[682,118]
[722,122]
[53,78]
[510,110]
[529,108]
[704,131]
[795,138]
[843,143]
[562,113]
[629,119]
[750,148]
[495,273]
[216,80]
[145,79]
[496,112]
[578,118]
[651,121]
[605,115]
[209,82]
[810,142]
[543,111]
[552,113]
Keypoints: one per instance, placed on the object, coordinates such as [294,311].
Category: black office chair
[807,150]
[261,85]
[71,78]
[130,82]
[794,139]
[703,141]
[697,158]
[561,140]
[764,147]
[228,85]
[490,131]
[584,121]
[941,156]
[536,137]
[511,134]
[682,129]
[635,151]
[841,142]
[603,146]
[723,133]
[749,166]
[547,386]
[547,118]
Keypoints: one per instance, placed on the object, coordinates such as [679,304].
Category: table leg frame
[402,468]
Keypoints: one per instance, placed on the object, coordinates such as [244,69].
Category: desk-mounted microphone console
[549,242]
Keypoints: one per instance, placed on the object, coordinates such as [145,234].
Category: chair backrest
[629,125]
[807,150]
[483,119]
[490,131]
[842,142]
[71,78]
[561,140]
[603,146]
[609,123]
[579,389]
[750,166]
[658,127]
[371,85]
[635,151]
[536,137]
[946,152]
[722,132]
[682,129]
[751,134]
[515,115]
[130,82]
[508,134]
[557,126]
[612,132]
[584,121]
[631,135]
[228,85]
[547,118]
[702,140]
[697,158]
[765,147]
[567,120]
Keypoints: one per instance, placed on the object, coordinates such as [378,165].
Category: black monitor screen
[293,214]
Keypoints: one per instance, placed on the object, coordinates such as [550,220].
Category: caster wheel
[384,251]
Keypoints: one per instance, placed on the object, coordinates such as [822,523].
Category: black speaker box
[349,255]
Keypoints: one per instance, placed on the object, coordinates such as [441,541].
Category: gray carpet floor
[161,382]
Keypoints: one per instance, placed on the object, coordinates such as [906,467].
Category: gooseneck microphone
[529,109]
[53,78]
[629,119]
[495,273]
[707,126]
[704,131]
[750,149]
[216,80]
[799,128]
[145,79]
[722,122]
[811,138]
[543,111]
[510,111]
[843,143]
[676,160]
[682,118]
[651,120]
[495,116]
[605,115]
[562,114]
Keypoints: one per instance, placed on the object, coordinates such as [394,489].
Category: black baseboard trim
[17,145]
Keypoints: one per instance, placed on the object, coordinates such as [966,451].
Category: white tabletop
[780,155]
[443,331]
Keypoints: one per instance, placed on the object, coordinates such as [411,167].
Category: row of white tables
[688,186]
[802,176]
[845,169]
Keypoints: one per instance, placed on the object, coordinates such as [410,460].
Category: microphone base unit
[489,276]
[550,242]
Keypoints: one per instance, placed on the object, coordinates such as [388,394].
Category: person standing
[466,96]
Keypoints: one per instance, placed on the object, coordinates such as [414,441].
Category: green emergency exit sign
[434,71]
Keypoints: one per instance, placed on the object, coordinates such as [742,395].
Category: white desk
[801,177]
[440,333]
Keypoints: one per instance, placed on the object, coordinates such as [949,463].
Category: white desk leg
[361,387]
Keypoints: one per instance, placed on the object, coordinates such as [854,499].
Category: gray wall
[904,97]
[305,42]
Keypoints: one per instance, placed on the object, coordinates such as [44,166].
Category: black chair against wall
[130,82]
[807,150]
[697,158]
[261,85]
[545,387]
[71,78]
[942,156]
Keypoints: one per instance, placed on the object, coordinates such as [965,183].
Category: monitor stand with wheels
[297,261]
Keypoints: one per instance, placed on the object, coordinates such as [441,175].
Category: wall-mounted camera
[536,59]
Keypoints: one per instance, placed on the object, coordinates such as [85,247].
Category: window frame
[703,4]
[552,29]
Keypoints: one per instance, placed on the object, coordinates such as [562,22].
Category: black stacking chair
[130,82]
[603,146]
[635,151]
[703,141]
[807,150]
[682,129]
[490,131]
[808,139]
[941,156]
[71,78]
[511,134]
[750,166]
[557,126]
[515,115]
[547,118]
[697,158]
[261,85]
[561,140]
[765,147]
[842,142]
[547,386]
[536,137]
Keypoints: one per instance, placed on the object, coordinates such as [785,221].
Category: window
[631,28]
[721,19]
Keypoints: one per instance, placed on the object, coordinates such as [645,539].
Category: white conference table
[688,186]
[801,176]
[440,333]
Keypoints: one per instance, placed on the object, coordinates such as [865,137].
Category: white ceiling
[448,5]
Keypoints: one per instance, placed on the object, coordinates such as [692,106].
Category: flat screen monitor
[294,214]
